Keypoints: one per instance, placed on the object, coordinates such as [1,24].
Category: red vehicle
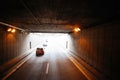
[39,51]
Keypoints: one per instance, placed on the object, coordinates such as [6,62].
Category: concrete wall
[15,44]
[99,47]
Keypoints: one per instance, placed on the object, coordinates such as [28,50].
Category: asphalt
[53,65]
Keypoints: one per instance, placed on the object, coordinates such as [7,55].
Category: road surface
[53,65]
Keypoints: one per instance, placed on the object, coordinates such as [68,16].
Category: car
[45,45]
[39,51]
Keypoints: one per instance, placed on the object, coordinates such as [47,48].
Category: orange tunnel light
[9,29]
[13,31]
[77,29]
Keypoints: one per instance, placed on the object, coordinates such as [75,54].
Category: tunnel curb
[89,69]
[8,65]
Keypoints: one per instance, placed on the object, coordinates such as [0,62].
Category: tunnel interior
[53,21]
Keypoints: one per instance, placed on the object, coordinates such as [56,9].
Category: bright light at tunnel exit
[52,39]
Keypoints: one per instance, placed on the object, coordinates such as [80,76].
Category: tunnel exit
[50,39]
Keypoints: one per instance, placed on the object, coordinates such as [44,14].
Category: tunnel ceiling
[57,15]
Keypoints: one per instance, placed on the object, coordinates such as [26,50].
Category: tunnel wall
[13,45]
[99,47]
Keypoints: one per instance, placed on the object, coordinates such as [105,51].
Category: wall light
[11,27]
[11,30]
[76,29]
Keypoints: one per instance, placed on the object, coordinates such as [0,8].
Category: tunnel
[80,39]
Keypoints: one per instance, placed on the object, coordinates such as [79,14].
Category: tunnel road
[53,65]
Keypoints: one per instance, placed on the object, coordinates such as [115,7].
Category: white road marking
[80,69]
[47,68]
[16,67]
[77,64]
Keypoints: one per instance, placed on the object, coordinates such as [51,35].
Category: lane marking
[77,64]
[47,68]
[11,72]
[16,67]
